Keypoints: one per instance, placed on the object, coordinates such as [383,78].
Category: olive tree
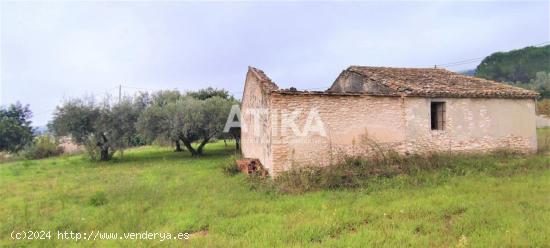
[156,120]
[103,128]
[186,120]
[117,123]
[210,92]
[199,121]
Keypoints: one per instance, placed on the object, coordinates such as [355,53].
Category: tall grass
[369,172]
[543,140]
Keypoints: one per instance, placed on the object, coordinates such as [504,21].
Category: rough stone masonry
[411,110]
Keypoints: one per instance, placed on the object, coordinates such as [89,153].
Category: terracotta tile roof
[425,82]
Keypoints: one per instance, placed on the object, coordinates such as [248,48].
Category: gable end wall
[256,143]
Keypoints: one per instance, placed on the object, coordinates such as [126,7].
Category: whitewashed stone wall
[473,125]
[346,120]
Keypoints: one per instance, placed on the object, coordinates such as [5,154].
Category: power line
[469,61]
[542,44]
[462,62]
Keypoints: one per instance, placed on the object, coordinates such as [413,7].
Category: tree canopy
[103,128]
[15,127]
[209,92]
[193,117]
[188,119]
[517,66]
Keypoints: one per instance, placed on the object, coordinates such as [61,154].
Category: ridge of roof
[432,82]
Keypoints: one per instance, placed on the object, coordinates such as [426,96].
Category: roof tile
[432,82]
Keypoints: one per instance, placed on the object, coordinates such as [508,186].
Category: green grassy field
[156,190]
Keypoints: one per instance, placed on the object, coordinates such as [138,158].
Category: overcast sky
[54,51]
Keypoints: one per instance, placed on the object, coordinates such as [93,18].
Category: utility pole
[119,92]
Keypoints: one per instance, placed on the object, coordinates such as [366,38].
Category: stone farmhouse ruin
[410,110]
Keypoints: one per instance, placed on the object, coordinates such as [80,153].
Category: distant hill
[516,66]
[40,130]
[471,72]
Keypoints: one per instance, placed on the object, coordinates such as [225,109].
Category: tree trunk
[201,146]
[236,133]
[237,142]
[178,146]
[199,149]
[187,145]
[104,147]
[104,154]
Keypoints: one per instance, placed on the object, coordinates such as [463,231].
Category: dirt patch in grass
[198,234]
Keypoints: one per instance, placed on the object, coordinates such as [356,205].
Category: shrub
[543,107]
[42,147]
[6,157]
[230,167]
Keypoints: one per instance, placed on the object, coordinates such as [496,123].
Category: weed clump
[98,199]
[42,147]
[230,166]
